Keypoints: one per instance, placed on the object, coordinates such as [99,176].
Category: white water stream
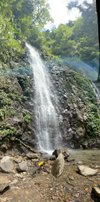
[47,128]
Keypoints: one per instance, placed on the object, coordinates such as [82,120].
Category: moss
[4,99]
[26,117]
[6,111]
[7,130]
[25,85]
[15,96]
[1,115]
[10,94]
[85,85]
[92,125]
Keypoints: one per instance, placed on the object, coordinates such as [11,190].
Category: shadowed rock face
[79,109]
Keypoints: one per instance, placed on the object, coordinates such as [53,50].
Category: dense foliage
[79,38]
[18,18]
[22,20]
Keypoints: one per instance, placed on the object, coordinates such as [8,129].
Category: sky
[61,14]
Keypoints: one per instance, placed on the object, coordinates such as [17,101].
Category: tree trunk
[98,16]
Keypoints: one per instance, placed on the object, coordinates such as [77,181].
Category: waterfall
[97,92]
[47,127]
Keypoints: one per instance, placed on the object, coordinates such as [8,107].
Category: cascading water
[97,92]
[47,127]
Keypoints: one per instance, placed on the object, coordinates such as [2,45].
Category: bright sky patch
[60,13]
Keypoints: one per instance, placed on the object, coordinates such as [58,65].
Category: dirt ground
[43,187]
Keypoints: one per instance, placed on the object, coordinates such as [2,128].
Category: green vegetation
[22,20]
[91,108]
[17,21]
[92,125]
[79,38]
[26,117]
[7,131]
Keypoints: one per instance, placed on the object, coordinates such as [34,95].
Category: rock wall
[78,110]
[16,110]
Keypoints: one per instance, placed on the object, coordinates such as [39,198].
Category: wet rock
[86,171]
[80,132]
[56,152]
[52,157]
[17,120]
[22,167]
[66,154]
[4,187]
[31,155]
[58,165]
[85,145]
[3,147]
[94,143]
[6,164]
[65,97]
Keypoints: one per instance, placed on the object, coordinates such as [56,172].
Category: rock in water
[86,171]
[65,152]
[6,164]
[58,165]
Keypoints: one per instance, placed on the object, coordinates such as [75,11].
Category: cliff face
[16,110]
[80,123]
[79,114]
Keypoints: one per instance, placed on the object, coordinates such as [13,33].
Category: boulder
[96,192]
[6,164]
[22,167]
[58,165]
[31,155]
[86,171]
[56,152]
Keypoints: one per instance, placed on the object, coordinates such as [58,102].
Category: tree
[21,20]
[98,15]
[9,46]
[78,38]
[63,44]
[85,31]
